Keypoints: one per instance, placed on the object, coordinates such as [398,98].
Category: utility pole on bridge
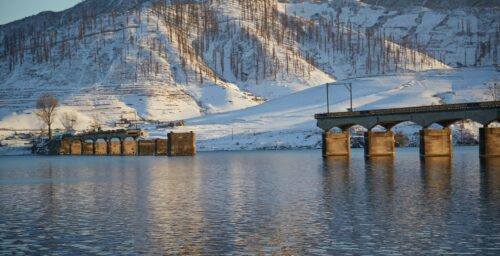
[348,86]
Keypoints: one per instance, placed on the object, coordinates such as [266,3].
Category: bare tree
[46,106]
[68,120]
[494,91]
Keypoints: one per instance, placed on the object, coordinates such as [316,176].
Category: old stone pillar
[336,144]
[130,147]
[65,148]
[115,147]
[436,142]
[161,147]
[88,148]
[489,142]
[101,148]
[379,143]
[76,147]
[122,147]
[108,146]
[82,142]
[146,147]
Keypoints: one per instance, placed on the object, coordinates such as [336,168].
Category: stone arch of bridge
[444,122]
[447,122]
[424,123]
[407,123]
[494,122]
[129,138]
[346,127]
[457,122]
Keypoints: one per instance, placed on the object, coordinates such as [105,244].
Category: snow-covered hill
[458,33]
[178,59]
[156,61]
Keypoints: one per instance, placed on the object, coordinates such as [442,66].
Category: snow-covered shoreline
[288,121]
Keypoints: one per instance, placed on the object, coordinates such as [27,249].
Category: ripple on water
[283,202]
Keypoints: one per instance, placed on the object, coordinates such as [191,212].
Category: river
[282,202]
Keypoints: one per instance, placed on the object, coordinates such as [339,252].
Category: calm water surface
[282,202]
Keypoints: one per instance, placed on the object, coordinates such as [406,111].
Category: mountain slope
[168,60]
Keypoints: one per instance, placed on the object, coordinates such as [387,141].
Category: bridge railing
[431,108]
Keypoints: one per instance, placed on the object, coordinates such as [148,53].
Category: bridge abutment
[181,144]
[436,143]
[336,144]
[379,144]
[489,142]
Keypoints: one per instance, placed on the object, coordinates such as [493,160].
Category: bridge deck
[421,109]
[482,112]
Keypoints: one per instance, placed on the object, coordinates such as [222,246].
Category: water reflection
[336,173]
[436,175]
[491,164]
[174,207]
[250,203]
[490,182]
[379,174]
[336,182]
[380,189]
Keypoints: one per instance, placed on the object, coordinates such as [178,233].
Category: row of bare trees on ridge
[270,43]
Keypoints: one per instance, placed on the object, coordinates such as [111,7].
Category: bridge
[432,142]
[124,143]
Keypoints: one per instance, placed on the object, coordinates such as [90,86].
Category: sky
[11,10]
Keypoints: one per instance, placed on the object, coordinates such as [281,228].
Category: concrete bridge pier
[436,142]
[336,144]
[379,144]
[489,142]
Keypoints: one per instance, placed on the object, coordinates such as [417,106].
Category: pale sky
[11,10]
